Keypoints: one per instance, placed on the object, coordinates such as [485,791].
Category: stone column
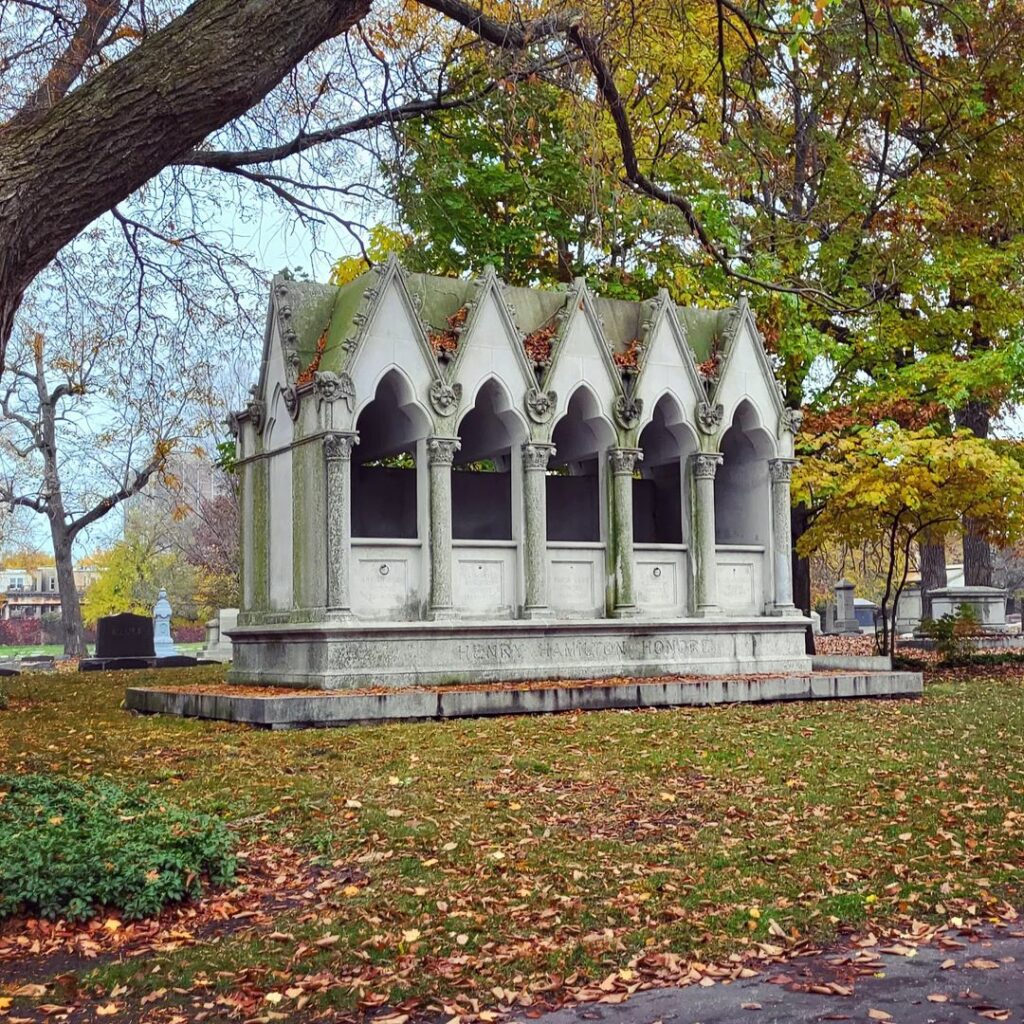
[535,529]
[623,462]
[338,452]
[781,471]
[703,549]
[440,454]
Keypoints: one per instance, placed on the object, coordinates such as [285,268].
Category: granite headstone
[124,636]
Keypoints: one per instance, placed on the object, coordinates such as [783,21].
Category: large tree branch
[101,508]
[642,183]
[68,66]
[230,160]
[512,35]
[107,138]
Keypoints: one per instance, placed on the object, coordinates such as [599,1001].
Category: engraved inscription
[480,585]
[736,589]
[381,584]
[572,585]
[657,584]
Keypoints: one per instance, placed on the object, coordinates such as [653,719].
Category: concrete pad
[283,710]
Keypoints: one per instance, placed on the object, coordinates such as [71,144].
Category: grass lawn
[21,651]
[526,854]
[13,651]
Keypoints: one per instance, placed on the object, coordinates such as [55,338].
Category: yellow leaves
[411,935]
[30,991]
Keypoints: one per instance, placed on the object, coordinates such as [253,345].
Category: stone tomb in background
[460,481]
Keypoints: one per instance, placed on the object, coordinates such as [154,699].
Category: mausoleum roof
[321,323]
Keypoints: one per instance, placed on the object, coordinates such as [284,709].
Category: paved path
[992,987]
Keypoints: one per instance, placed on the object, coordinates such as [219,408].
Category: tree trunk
[70,608]
[66,165]
[802,571]
[976,417]
[933,573]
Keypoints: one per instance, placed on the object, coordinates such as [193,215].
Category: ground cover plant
[467,866]
[69,849]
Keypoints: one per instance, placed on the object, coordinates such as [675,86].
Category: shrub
[953,635]
[189,633]
[21,632]
[68,848]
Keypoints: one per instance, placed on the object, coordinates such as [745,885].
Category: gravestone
[124,636]
[846,619]
[987,603]
[865,612]
[908,609]
[162,643]
[218,643]
[830,619]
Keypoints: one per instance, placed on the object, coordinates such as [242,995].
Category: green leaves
[69,848]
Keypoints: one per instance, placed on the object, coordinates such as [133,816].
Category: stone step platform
[282,708]
[124,664]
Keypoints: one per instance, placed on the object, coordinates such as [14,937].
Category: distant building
[188,480]
[32,593]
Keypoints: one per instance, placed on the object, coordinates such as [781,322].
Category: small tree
[133,571]
[89,416]
[895,484]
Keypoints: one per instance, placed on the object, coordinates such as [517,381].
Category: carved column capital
[781,470]
[624,461]
[441,450]
[339,446]
[705,465]
[536,456]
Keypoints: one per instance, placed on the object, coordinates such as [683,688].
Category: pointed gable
[667,363]
[582,354]
[491,343]
[744,371]
[390,330]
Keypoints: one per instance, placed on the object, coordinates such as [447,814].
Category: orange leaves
[446,343]
[306,376]
[629,357]
[538,344]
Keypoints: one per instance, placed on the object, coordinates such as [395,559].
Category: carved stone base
[342,656]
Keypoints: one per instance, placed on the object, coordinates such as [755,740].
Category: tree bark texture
[66,165]
[70,606]
[976,417]
[802,571]
[933,573]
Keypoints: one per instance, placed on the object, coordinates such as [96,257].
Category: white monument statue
[163,645]
[450,481]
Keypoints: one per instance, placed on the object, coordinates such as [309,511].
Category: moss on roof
[317,307]
[438,297]
[620,320]
[534,307]
[705,329]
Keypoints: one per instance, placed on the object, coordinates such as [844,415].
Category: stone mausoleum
[457,481]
